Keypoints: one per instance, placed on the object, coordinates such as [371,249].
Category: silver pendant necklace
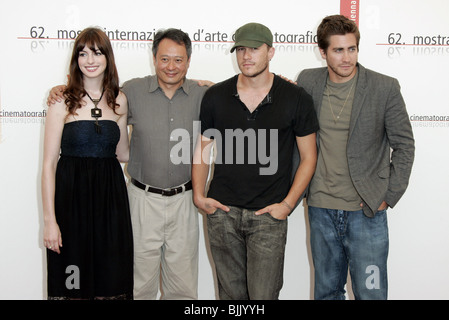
[336,118]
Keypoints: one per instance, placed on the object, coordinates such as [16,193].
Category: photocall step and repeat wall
[406,39]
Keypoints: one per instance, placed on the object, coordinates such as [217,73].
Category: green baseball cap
[252,35]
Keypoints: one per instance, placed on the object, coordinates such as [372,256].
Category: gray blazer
[381,147]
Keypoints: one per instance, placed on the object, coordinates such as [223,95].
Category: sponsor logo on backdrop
[429,120]
[350,9]
[21,116]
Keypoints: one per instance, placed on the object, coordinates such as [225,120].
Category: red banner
[350,9]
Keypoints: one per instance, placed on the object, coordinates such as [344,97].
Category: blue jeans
[340,239]
[248,252]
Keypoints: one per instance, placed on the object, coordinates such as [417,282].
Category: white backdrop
[407,39]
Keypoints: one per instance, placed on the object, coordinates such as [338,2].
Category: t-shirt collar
[154,85]
[268,98]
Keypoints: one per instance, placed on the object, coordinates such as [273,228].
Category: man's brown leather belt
[164,192]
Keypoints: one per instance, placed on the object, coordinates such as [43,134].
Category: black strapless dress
[92,211]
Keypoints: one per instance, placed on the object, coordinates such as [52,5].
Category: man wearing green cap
[254,120]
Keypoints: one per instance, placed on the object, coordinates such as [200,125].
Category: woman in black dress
[87,227]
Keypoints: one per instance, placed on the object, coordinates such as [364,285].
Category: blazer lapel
[359,98]
[318,90]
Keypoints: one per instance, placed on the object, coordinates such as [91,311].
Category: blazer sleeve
[400,135]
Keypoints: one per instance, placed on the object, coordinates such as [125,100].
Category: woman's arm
[54,124]
[122,150]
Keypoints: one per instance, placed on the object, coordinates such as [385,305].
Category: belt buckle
[169,192]
[172,192]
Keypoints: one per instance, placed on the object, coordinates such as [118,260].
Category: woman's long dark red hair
[74,92]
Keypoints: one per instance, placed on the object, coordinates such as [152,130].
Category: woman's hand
[52,237]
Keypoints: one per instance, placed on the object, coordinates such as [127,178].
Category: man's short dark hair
[176,35]
[336,25]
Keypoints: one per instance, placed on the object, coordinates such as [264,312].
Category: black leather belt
[164,192]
